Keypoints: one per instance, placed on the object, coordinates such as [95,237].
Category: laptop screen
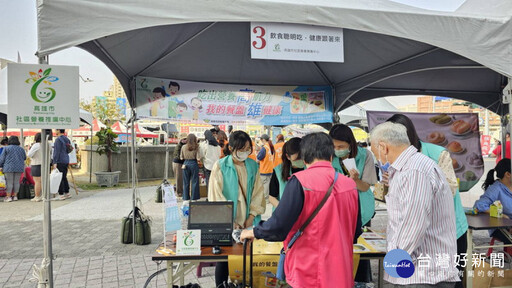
[211,213]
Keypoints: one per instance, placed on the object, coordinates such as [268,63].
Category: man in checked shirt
[421,219]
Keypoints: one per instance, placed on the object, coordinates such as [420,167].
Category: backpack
[69,147]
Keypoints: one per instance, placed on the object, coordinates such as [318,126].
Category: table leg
[170,274]
[380,284]
[469,266]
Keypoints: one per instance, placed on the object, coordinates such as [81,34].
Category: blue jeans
[191,174]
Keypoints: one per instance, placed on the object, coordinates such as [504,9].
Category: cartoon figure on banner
[181,109]
[156,100]
[172,89]
[197,106]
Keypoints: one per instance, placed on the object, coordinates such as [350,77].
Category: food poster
[457,132]
[196,102]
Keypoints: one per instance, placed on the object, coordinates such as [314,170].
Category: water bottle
[184,208]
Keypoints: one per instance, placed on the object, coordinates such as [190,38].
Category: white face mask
[241,156]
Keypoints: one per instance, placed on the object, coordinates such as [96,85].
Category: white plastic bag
[55,178]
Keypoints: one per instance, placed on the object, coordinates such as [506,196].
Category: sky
[18,33]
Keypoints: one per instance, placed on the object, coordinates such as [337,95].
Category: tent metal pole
[509,93]
[133,173]
[166,173]
[47,280]
[22,138]
[90,157]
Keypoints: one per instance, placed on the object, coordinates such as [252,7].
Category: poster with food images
[458,133]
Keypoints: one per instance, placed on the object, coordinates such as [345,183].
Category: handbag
[282,256]
[24,191]
[142,228]
[158,198]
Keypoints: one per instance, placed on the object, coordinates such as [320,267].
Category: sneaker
[36,199]
[67,195]
[62,197]
[7,199]
[15,198]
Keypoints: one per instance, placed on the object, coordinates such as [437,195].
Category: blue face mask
[384,167]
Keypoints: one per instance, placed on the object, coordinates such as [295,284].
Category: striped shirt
[421,219]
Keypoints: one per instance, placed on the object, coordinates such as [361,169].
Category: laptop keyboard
[216,239]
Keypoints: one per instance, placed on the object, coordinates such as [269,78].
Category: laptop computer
[215,219]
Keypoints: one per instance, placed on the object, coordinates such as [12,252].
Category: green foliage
[105,111]
[106,144]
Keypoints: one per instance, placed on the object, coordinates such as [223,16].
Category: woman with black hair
[291,163]
[497,189]
[444,160]
[345,146]
[12,164]
[236,178]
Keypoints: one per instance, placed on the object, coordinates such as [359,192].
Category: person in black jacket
[60,159]
[177,163]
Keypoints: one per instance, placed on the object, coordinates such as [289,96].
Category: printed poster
[457,132]
[196,102]
[41,96]
[172,213]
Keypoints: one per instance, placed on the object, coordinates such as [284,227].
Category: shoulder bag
[280,267]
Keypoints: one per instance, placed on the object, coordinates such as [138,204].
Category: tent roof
[463,54]
[357,112]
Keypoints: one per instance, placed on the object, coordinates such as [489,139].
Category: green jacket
[230,179]
[366,198]
[434,152]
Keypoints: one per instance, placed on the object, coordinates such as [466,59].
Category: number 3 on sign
[259,32]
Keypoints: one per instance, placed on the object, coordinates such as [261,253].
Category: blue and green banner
[196,102]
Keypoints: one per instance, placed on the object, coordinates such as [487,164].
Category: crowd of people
[13,163]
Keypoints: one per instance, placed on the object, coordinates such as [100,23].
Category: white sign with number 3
[296,42]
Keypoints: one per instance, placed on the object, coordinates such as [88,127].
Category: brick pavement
[86,241]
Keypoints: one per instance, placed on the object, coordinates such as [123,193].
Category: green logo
[43,94]
[188,241]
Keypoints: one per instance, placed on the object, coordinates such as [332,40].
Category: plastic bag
[2,180]
[55,178]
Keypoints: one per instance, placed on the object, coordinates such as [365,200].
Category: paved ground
[86,240]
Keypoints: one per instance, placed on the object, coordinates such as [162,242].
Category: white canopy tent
[356,115]
[390,48]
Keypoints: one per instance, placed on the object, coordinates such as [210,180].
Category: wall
[150,164]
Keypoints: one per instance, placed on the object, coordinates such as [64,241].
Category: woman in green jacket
[291,163]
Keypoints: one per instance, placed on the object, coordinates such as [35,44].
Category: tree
[106,144]
[105,111]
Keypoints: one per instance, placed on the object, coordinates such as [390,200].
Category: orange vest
[254,154]
[279,154]
[267,164]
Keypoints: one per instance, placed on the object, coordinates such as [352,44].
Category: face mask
[341,153]
[241,156]
[384,167]
[298,163]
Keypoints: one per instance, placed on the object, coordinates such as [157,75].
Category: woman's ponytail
[489,180]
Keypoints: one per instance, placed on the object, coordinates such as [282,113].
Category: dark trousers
[64,185]
[462,247]
[207,174]
[191,178]
[221,273]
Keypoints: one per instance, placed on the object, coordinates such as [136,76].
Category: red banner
[485,143]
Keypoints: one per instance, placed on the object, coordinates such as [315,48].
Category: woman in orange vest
[266,159]
[279,150]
